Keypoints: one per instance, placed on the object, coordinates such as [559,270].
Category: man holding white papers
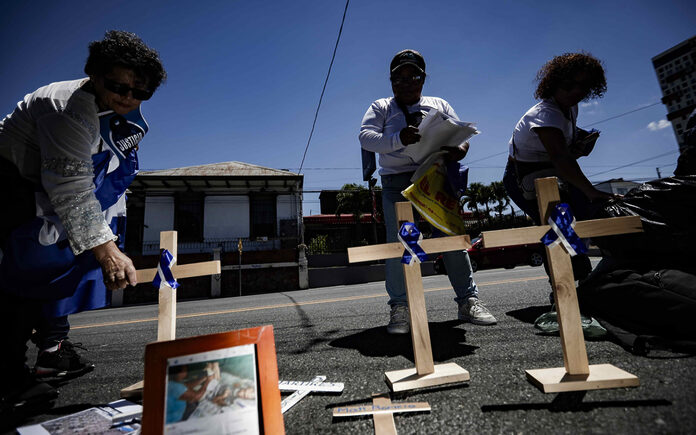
[389,127]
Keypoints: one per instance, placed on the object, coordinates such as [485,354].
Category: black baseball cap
[407,57]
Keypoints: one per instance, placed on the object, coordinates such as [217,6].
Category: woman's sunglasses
[122,90]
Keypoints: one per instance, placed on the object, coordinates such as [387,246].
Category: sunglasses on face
[406,80]
[122,90]
[569,85]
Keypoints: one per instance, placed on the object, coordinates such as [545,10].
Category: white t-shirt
[380,128]
[546,113]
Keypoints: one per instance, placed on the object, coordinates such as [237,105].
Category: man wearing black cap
[388,127]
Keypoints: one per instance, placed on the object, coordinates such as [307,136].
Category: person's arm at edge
[554,142]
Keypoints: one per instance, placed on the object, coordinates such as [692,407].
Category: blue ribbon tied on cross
[562,231]
[164,276]
[411,237]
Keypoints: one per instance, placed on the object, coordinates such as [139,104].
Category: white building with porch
[213,207]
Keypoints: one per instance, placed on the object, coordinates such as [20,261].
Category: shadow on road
[529,314]
[572,401]
[312,338]
[447,341]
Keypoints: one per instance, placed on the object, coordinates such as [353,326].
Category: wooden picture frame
[159,355]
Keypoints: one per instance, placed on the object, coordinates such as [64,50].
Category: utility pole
[239,247]
[658,172]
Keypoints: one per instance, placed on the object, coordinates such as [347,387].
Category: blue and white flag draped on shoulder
[165,277]
[562,231]
[122,133]
[410,237]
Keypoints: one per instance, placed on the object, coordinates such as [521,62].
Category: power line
[634,163]
[622,114]
[316,114]
[487,157]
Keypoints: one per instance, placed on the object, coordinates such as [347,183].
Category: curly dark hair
[562,68]
[126,50]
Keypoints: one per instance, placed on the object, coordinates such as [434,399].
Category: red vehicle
[504,256]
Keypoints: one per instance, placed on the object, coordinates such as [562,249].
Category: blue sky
[245,77]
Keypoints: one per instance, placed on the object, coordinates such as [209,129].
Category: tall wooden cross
[577,374]
[425,374]
[166,318]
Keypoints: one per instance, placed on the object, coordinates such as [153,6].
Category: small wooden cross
[425,374]
[166,318]
[382,411]
[302,389]
[577,374]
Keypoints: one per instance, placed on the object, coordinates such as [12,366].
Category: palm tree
[473,196]
[487,196]
[501,197]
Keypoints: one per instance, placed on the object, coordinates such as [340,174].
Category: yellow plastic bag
[433,201]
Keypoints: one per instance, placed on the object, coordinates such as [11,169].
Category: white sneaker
[399,320]
[473,311]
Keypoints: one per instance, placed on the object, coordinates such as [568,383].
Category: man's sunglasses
[406,80]
[122,90]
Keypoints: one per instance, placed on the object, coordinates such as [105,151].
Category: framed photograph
[213,384]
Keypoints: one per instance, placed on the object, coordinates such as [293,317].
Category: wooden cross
[577,374]
[382,411]
[302,389]
[166,318]
[425,374]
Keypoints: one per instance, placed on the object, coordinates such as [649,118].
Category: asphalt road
[339,332]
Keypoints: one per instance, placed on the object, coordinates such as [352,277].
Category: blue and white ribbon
[165,277]
[562,231]
[410,237]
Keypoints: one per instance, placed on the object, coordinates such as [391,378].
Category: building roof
[222,169]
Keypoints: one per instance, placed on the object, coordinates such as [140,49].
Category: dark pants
[50,331]
[582,209]
[17,319]
[20,316]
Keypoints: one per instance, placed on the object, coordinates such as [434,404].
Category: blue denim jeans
[456,262]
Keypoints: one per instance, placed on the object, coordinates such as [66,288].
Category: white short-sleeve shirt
[546,113]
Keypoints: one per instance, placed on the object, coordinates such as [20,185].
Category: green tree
[354,199]
[500,196]
[487,196]
[472,198]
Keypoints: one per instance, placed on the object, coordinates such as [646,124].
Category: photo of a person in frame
[211,394]
[182,394]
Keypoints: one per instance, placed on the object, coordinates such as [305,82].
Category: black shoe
[25,396]
[64,363]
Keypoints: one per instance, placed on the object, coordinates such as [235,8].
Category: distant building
[676,73]
[616,186]
[213,207]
